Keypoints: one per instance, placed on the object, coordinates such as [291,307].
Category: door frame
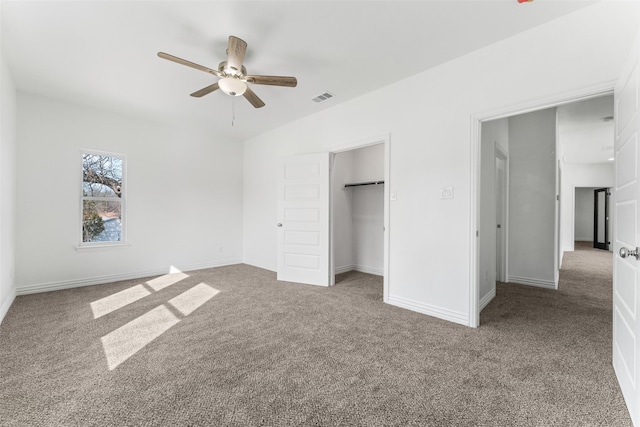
[605,244]
[354,145]
[503,258]
[475,166]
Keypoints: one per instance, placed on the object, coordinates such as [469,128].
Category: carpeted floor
[232,346]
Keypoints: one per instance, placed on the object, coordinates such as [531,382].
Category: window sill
[102,247]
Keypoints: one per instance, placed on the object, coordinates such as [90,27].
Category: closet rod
[359,184]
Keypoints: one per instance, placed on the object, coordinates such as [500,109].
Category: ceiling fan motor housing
[229,71]
[233,82]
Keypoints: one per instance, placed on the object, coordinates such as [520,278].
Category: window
[103,197]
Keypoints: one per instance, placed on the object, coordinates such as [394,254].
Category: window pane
[101,176]
[101,221]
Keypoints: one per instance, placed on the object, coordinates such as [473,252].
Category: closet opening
[358,211]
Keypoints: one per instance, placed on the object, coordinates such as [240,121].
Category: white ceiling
[585,138]
[103,53]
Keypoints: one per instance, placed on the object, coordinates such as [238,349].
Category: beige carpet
[232,346]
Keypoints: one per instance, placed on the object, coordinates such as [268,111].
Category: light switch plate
[446,193]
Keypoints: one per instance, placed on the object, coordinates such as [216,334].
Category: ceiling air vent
[323,97]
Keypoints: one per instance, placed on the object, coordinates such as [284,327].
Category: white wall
[495,133]
[368,228]
[576,175]
[358,212]
[428,119]
[583,224]
[368,163]
[532,198]
[184,196]
[8,141]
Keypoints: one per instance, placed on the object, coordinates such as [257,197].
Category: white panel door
[303,219]
[626,271]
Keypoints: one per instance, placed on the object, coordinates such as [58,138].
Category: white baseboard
[337,270]
[583,240]
[89,281]
[370,270]
[7,304]
[360,268]
[485,300]
[260,264]
[430,310]
[540,283]
[344,269]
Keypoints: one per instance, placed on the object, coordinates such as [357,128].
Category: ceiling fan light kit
[232,86]
[233,75]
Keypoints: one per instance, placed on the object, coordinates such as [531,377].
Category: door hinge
[477,233]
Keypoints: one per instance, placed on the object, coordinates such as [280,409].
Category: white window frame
[122,200]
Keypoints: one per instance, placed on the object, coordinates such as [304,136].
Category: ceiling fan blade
[273,80]
[205,90]
[253,98]
[188,63]
[235,53]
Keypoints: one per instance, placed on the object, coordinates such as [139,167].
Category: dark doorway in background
[601,218]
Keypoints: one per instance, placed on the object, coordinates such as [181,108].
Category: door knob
[625,252]
[279,224]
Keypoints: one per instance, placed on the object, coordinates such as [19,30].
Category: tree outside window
[102,197]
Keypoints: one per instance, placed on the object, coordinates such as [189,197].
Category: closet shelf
[360,184]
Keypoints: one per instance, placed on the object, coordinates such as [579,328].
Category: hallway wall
[532,201]
[584,214]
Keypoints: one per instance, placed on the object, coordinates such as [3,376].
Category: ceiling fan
[233,75]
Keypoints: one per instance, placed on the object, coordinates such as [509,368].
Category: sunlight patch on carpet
[128,339]
[167,280]
[188,301]
[122,343]
[118,300]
